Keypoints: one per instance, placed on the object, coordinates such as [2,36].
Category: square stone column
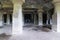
[8,19]
[17,22]
[57,10]
[58,17]
[54,21]
[35,19]
[1,22]
[40,17]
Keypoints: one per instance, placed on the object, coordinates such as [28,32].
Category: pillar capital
[56,4]
[18,1]
[40,10]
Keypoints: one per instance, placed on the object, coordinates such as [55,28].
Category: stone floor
[30,33]
[6,29]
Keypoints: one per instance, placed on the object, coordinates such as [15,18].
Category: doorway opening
[7,19]
[44,16]
[10,18]
[4,18]
[30,16]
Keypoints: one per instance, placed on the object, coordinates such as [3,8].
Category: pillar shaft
[48,17]
[57,10]
[35,19]
[1,22]
[40,18]
[17,24]
[8,19]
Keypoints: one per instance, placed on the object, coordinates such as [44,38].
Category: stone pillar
[58,16]
[1,22]
[35,19]
[57,10]
[8,19]
[40,17]
[48,18]
[17,22]
[54,21]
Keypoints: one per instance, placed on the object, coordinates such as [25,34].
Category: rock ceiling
[43,3]
[37,1]
[6,6]
[47,4]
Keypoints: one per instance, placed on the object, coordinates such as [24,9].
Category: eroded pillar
[35,19]
[8,19]
[40,17]
[57,10]
[17,22]
[1,21]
